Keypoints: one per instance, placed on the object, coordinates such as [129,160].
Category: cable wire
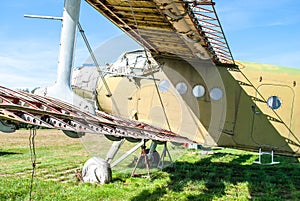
[33,158]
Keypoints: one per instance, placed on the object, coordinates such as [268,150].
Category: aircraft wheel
[7,128]
[113,138]
[132,140]
[73,134]
[159,142]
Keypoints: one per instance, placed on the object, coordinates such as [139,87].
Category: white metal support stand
[261,153]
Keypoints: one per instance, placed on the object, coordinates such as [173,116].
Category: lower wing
[17,107]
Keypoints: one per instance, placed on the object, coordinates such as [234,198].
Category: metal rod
[223,34]
[128,153]
[93,57]
[43,17]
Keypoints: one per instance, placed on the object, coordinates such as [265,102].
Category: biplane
[183,87]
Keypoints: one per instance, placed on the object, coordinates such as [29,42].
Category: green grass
[226,174]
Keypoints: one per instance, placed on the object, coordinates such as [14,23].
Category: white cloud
[27,63]
[240,15]
[262,30]
[16,81]
[32,63]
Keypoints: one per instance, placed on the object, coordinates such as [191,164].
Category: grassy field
[225,174]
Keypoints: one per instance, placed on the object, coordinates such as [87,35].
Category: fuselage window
[198,91]
[274,102]
[216,93]
[181,87]
[164,85]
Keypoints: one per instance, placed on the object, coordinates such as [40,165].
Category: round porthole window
[216,93]
[274,102]
[164,85]
[181,87]
[198,91]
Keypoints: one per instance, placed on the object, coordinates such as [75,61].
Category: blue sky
[264,31]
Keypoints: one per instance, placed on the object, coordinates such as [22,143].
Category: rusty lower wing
[18,107]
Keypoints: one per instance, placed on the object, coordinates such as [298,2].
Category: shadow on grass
[4,153]
[209,178]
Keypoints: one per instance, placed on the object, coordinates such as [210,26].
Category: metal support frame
[261,153]
[206,20]
[115,147]
[128,153]
[164,153]
[143,155]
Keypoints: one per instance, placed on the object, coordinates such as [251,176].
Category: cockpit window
[198,91]
[164,85]
[274,102]
[181,87]
[216,93]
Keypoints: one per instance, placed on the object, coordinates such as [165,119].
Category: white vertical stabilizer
[62,87]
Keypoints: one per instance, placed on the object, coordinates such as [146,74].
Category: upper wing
[22,107]
[187,29]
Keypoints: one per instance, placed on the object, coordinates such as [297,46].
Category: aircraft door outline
[279,100]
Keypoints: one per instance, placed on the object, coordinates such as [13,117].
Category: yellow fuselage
[215,106]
